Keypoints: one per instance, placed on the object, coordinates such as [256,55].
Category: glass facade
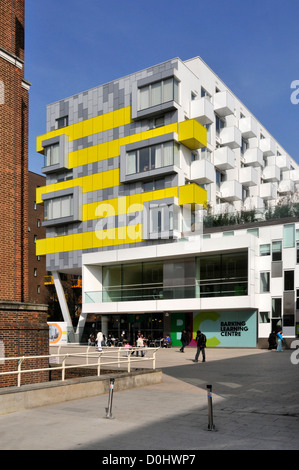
[207,276]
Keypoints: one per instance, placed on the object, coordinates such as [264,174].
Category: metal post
[211,426]
[109,409]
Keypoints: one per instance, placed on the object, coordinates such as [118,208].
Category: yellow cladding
[87,240]
[192,134]
[106,179]
[188,194]
[125,204]
[91,126]
[192,194]
[111,149]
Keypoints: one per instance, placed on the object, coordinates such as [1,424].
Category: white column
[61,298]
[104,319]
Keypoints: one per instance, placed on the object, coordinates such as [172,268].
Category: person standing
[184,340]
[201,345]
[272,340]
[99,340]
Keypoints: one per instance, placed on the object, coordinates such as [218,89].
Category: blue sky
[74,45]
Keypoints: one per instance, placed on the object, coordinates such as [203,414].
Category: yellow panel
[86,240]
[97,124]
[192,194]
[192,134]
[112,148]
[93,182]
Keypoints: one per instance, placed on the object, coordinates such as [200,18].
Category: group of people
[100,340]
[276,341]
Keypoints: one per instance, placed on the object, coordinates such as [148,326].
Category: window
[265,282]
[157,93]
[244,146]
[220,124]
[205,93]
[149,158]
[222,275]
[297,249]
[265,250]
[289,280]
[62,122]
[161,219]
[264,317]
[58,207]
[1,92]
[276,250]
[253,231]
[35,272]
[38,223]
[38,289]
[276,307]
[52,155]
[289,236]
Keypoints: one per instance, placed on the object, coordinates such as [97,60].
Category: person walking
[201,345]
[279,345]
[99,340]
[184,340]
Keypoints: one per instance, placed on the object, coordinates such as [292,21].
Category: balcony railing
[211,288]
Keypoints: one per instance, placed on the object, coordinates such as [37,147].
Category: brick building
[23,327]
[38,292]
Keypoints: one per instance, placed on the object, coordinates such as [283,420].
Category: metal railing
[116,356]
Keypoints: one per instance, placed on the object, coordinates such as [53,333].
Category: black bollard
[211,426]
[109,409]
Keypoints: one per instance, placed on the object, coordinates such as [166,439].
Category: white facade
[272,281]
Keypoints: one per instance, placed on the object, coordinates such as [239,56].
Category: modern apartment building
[132,167]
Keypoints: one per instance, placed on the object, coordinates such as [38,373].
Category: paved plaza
[255,397]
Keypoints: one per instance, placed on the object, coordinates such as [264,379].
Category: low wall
[32,396]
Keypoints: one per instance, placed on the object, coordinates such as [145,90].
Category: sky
[252,45]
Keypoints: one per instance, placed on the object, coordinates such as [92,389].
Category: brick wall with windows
[38,292]
[13,154]
[23,326]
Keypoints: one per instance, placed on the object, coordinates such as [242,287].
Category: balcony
[253,202]
[192,194]
[231,136]
[268,191]
[283,162]
[231,191]
[253,157]
[286,187]
[202,172]
[267,146]
[224,103]
[202,110]
[271,173]
[294,176]
[192,134]
[224,158]
[248,176]
[248,127]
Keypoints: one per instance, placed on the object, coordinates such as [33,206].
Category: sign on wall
[57,333]
[227,328]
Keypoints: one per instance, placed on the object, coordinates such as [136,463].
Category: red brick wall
[13,156]
[23,327]
[24,332]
